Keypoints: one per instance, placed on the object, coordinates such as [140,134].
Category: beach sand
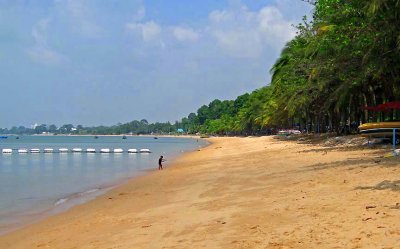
[239,193]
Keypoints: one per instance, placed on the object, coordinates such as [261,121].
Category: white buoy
[48,150]
[145,151]
[7,151]
[63,150]
[118,150]
[35,150]
[105,151]
[132,151]
[77,150]
[90,150]
[22,151]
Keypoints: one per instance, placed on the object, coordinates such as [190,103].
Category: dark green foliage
[346,58]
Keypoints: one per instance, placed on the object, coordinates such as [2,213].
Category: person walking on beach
[160,160]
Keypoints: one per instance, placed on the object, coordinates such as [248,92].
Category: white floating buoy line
[63,150]
[48,150]
[73,150]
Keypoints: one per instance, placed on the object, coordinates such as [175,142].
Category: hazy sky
[95,62]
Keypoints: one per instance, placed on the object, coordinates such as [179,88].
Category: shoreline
[238,193]
[64,203]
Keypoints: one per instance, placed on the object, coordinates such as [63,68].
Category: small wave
[89,191]
[61,201]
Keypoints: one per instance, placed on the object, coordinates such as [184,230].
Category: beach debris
[377,161]
[397,206]
[369,207]
[390,154]
[145,226]
[369,218]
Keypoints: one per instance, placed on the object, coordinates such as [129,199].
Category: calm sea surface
[36,185]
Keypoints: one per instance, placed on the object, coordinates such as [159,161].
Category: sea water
[34,185]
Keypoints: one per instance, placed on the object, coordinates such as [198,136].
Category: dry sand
[239,193]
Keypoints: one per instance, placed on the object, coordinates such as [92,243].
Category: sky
[103,62]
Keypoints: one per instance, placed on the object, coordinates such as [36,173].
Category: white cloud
[244,33]
[240,43]
[41,51]
[220,16]
[76,7]
[89,29]
[140,14]
[274,27]
[148,30]
[80,17]
[39,32]
[185,34]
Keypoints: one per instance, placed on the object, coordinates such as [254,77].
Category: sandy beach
[239,193]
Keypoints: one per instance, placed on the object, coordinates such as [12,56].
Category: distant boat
[145,151]
[48,150]
[118,150]
[123,137]
[132,151]
[7,151]
[34,150]
[90,150]
[3,137]
[155,137]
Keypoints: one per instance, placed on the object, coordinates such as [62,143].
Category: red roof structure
[384,107]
